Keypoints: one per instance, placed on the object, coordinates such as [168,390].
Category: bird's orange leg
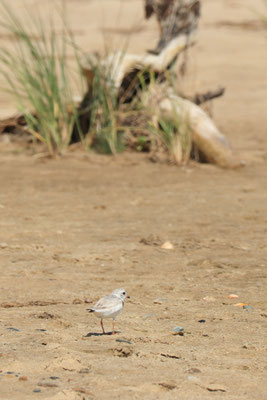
[113,327]
[102,326]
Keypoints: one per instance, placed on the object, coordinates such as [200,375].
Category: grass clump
[104,135]
[38,75]
[109,119]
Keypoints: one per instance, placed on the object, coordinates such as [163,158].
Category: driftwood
[178,20]
[120,64]
[204,134]
[201,98]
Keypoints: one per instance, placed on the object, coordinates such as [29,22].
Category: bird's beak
[128,297]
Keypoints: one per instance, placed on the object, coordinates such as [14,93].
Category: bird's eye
[123,293]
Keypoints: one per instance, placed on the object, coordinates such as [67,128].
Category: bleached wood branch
[205,135]
[119,64]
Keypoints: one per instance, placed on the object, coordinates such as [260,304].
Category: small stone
[10,372]
[248,308]
[147,316]
[41,330]
[178,329]
[13,329]
[3,245]
[202,321]
[85,371]
[123,341]
[37,390]
[23,378]
[54,377]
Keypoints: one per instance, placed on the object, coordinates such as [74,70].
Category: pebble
[84,371]
[148,316]
[37,390]
[178,329]
[247,308]
[202,321]
[123,341]
[3,245]
[54,377]
[23,378]
[13,329]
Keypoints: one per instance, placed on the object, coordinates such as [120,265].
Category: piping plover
[109,307]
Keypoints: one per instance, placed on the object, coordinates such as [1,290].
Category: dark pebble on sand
[178,329]
[84,371]
[123,341]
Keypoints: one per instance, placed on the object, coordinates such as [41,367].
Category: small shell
[167,246]
[233,296]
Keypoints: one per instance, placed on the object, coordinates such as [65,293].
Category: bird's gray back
[107,302]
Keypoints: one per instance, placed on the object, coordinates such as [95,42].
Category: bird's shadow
[100,334]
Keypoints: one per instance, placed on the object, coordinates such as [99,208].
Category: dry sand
[76,228]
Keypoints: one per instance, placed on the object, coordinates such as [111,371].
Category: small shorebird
[109,307]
